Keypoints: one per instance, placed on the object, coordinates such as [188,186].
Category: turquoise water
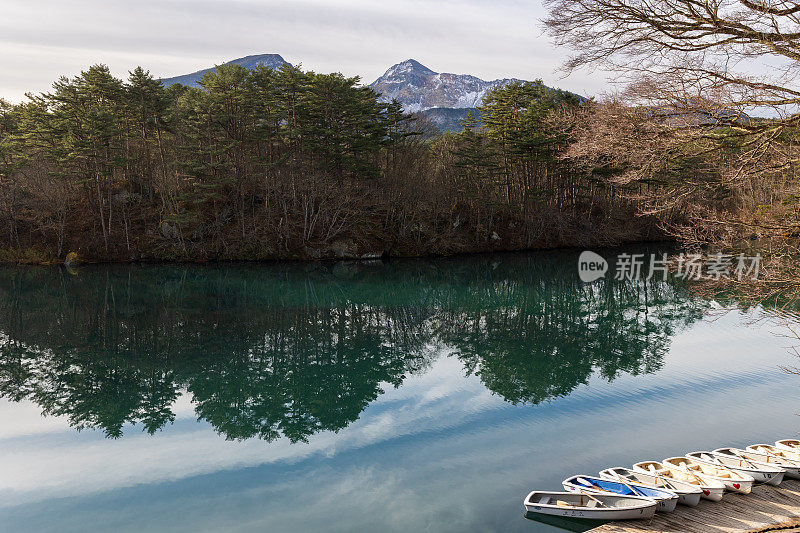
[425,395]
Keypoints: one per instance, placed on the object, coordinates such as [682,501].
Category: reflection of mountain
[272,351]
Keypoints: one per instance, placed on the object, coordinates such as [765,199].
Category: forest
[695,146]
[268,164]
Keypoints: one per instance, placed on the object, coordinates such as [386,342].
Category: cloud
[49,38]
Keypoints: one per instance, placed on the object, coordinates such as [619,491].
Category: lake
[411,395]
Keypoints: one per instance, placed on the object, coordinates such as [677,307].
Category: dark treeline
[283,350]
[281,164]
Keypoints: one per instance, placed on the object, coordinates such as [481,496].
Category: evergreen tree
[12,158]
[475,159]
[516,118]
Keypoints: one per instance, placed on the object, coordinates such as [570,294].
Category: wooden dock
[767,508]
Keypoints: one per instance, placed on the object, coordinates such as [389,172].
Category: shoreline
[369,257]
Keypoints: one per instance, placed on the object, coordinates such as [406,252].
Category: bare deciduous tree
[695,73]
[712,58]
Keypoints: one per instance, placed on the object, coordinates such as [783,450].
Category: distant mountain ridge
[448,118]
[442,98]
[273,61]
[419,88]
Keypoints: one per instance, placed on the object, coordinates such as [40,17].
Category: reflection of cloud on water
[403,440]
[438,407]
[62,462]
[440,469]
[400,401]
[261,361]
[25,418]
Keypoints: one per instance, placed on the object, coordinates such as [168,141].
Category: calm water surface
[426,395]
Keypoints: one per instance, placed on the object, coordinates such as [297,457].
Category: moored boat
[708,470]
[766,469]
[688,494]
[666,499]
[787,457]
[712,489]
[792,445]
[593,506]
[739,466]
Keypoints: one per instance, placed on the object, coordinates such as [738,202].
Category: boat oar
[634,491]
[771,453]
[592,497]
[686,468]
[664,482]
[746,460]
[622,479]
[769,457]
[721,469]
[714,461]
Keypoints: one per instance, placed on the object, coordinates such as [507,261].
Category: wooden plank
[764,509]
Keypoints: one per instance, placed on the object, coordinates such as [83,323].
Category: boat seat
[591,503]
[544,500]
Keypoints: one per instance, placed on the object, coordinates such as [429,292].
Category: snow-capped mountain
[443,98]
[273,61]
[419,88]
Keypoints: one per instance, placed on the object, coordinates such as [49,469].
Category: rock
[344,249]
[198,233]
[126,198]
[313,253]
[169,231]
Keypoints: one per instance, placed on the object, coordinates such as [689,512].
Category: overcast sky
[41,40]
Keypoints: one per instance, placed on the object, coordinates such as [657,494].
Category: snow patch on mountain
[419,88]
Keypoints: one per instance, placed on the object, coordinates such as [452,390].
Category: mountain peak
[273,61]
[409,67]
[419,88]
[268,60]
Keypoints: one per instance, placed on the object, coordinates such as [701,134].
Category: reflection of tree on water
[274,351]
[315,369]
[540,338]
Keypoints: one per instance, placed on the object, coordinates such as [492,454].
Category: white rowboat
[791,445]
[739,466]
[763,463]
[708,470]
[589,506]
[688,494]
[786,457]
[667,500]
[712,489]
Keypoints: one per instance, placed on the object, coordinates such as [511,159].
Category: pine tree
[12,158]
[516,119]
